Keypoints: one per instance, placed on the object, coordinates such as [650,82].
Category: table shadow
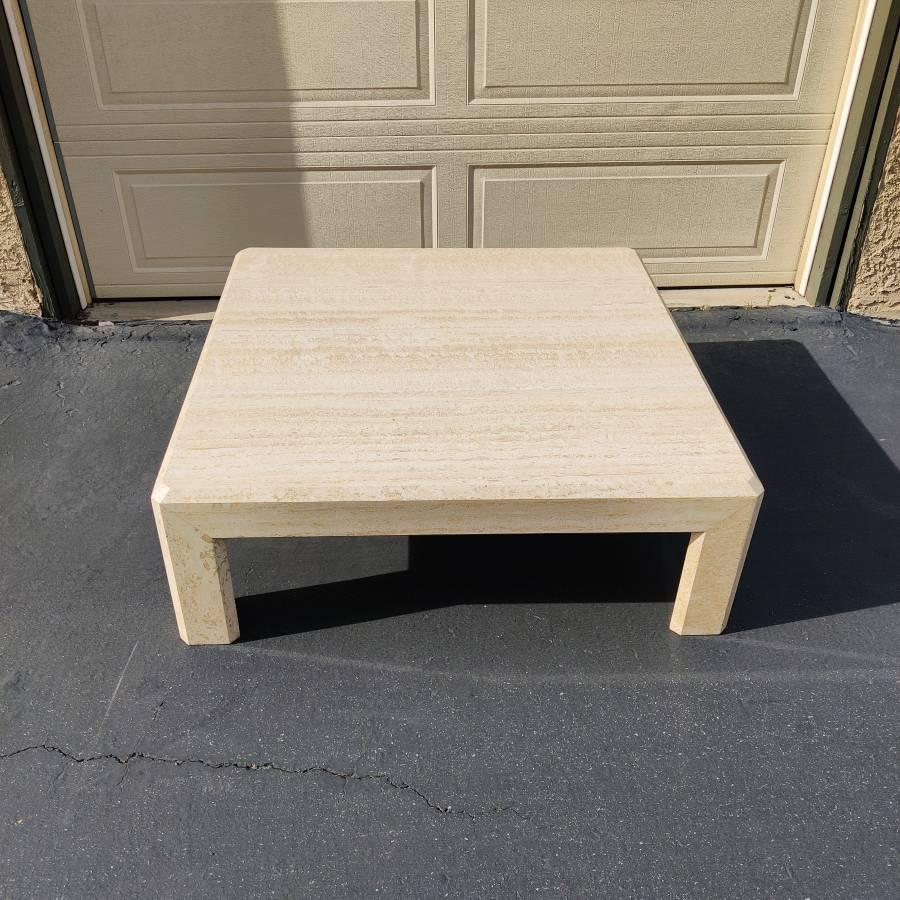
[828,536]
[826,541]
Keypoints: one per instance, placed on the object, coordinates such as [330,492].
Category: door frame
[49,211]
[45,208]
[869,182]
[857,127]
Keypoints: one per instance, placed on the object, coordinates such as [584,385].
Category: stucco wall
[18,292]
[876,290]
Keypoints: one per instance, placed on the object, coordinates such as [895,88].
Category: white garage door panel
[572,51]
[173,225]
[170,224]
[664,211]
[107,61]
[655,57]
[738,220]
[120,62]
[207,217]
[165,53]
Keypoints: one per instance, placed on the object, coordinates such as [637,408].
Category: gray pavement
[504,717]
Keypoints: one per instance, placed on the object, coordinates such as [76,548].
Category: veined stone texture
[18,291]
[876,291]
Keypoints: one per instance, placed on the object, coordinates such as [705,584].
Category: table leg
[199,579]
[712,568]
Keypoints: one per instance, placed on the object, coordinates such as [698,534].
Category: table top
[335,376]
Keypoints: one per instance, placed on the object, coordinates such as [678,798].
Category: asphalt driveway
[503,717]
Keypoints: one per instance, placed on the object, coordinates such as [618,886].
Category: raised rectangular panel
[576,51]
[665,210]
[177,219]
[168,224]
[193,52]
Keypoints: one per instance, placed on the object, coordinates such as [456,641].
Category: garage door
[693,130]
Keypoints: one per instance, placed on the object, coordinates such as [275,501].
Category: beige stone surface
[363,392]
[876,291]
[18,291]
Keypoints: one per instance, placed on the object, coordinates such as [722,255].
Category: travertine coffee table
[363,392]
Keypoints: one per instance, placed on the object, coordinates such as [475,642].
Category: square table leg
[199,578]
[712,568]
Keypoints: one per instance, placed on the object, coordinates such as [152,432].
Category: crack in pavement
[382,777]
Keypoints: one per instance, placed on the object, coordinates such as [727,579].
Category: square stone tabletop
[447,375]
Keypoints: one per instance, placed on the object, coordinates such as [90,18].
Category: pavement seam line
[382,777]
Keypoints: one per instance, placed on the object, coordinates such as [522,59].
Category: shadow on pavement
[826,541]
[827,537]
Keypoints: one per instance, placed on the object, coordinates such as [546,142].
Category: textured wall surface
[18,292]
[876,291]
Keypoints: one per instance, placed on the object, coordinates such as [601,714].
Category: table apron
[286,519]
